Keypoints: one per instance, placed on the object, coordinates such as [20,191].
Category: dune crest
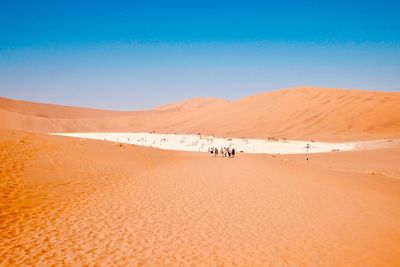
[192,104]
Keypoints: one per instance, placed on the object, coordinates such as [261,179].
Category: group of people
[224,151]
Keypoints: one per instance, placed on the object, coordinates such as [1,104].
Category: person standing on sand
[307,147]
[233,152]
[216,152]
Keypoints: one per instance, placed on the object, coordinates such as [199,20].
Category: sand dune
[70,201]
[301,113]
[193,104]
[82,202]
[44,110]
[319,113]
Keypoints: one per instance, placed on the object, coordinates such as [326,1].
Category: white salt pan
[201,143]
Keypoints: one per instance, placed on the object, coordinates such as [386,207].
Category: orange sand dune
[67,201]
[300,113]
[317,113]
[192,104]
[43,110]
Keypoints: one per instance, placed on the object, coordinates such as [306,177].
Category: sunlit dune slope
[66,201]
[194,103]
[44,110]
[310,113]
[299,113]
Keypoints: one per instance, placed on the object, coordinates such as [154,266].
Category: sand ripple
[93,203]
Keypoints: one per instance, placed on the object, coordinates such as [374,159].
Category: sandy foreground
[67,201]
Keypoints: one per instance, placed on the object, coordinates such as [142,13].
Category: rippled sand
[76,202]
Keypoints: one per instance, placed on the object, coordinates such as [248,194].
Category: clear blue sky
[139,54]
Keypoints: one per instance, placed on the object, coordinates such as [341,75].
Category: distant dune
[53,111]
[193,104]
[297,113]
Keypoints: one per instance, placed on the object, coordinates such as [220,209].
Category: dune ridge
[297,113]
[192,104]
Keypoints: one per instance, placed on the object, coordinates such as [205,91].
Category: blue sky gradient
[133,55]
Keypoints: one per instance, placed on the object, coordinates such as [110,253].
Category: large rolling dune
[71,202]
[299,113]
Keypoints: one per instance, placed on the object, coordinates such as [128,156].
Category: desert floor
[67,201]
